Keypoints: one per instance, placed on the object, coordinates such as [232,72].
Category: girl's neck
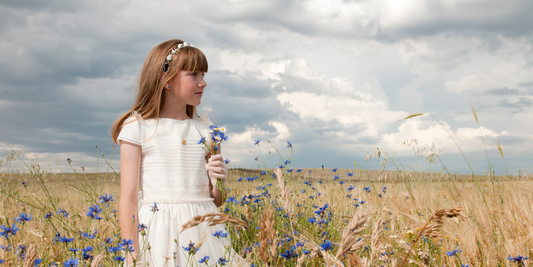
[176,112]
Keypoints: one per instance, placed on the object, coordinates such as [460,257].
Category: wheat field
[287,217]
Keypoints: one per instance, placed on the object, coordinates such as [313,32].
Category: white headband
[171,54]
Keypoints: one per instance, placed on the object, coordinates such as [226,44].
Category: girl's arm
[130,165]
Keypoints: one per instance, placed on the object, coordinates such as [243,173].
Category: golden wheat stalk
[413,115]
[284,191]
[349,244]
[31,256]
[434,224]
[267,235]
[213,219]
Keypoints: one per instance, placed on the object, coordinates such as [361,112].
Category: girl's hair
[152,82]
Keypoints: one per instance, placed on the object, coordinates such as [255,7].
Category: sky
[335,78]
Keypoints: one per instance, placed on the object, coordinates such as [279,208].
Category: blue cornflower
[128,244]
[257,142]
[287,162]
[93,212]
[202,140]
[306,251]
[350,188]
[71,263]
[69,160]
[86,253]
[205,260]
[89,236]
[311,220]
[289,170]
[300,244]
[48,215]
[367,189]
[349,174]
[336,177]
[299,170]
[222,261]
[453,252]
[289,144]
[191,248]
[1,261]
[240,180]
[309,172]
[118,258]
[321,209]
[333,170]
[64,239]
[327,245]
[37,262]
[227,161]
[154,207]
[518,259]
[142,226]
[23,217]
[219,234]
[263,173]
[307,183]
[289,254]
[64,212]
[342,182]
[105,198]
[6,231]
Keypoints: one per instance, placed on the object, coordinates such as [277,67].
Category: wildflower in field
[6,231]
[320,182]
[202,140]
[118,258]
[219,234]
[287,162]
[518,259]
[106,199]
[289,144]
[289,170]
[349,174]
[334,170]
[367,189]
[205,260]
[289,254]
[342,182]
[309,172]
[1,261]
[222,261]
[240,180]
[256,158]
[257,142]
[350,188]
[227,161]
[64,239]
[68,160]
[87,253]
[349,196]
[453,252]
[23,217]
[263,173]
[37,262]
[299,170]
[303,191]
[321,209]
[48,215]
[154,207]
[93,212]
[64,212]
[327,245]
[336,177]
[71,263]
[89,236]
[191,248]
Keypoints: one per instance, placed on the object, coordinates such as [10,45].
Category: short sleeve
[131,131]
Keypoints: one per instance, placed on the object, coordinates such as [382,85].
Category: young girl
[158,147]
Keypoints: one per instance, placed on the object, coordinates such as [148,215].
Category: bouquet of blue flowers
[217,135]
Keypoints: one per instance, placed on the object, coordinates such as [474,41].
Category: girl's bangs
[194,60]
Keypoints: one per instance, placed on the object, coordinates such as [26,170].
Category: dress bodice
[169,169]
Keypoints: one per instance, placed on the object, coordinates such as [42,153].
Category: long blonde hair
[151,81]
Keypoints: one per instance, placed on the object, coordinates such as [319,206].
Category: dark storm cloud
[523,102]
[504,91]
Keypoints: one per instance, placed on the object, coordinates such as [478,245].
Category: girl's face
[187,87]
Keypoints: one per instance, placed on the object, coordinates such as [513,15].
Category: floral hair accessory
[172,52]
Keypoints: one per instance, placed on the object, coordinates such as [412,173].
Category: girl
[158,147]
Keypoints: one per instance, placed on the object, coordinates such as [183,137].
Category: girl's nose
[202,83]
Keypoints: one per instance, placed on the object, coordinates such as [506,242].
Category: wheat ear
[97,260]
[349,244]
[213,219]
[31,256]
[267,235]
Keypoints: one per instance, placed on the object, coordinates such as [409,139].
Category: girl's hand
[217,168]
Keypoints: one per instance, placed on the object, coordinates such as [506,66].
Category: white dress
[174,177]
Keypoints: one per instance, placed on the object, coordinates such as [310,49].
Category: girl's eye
[193,74]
